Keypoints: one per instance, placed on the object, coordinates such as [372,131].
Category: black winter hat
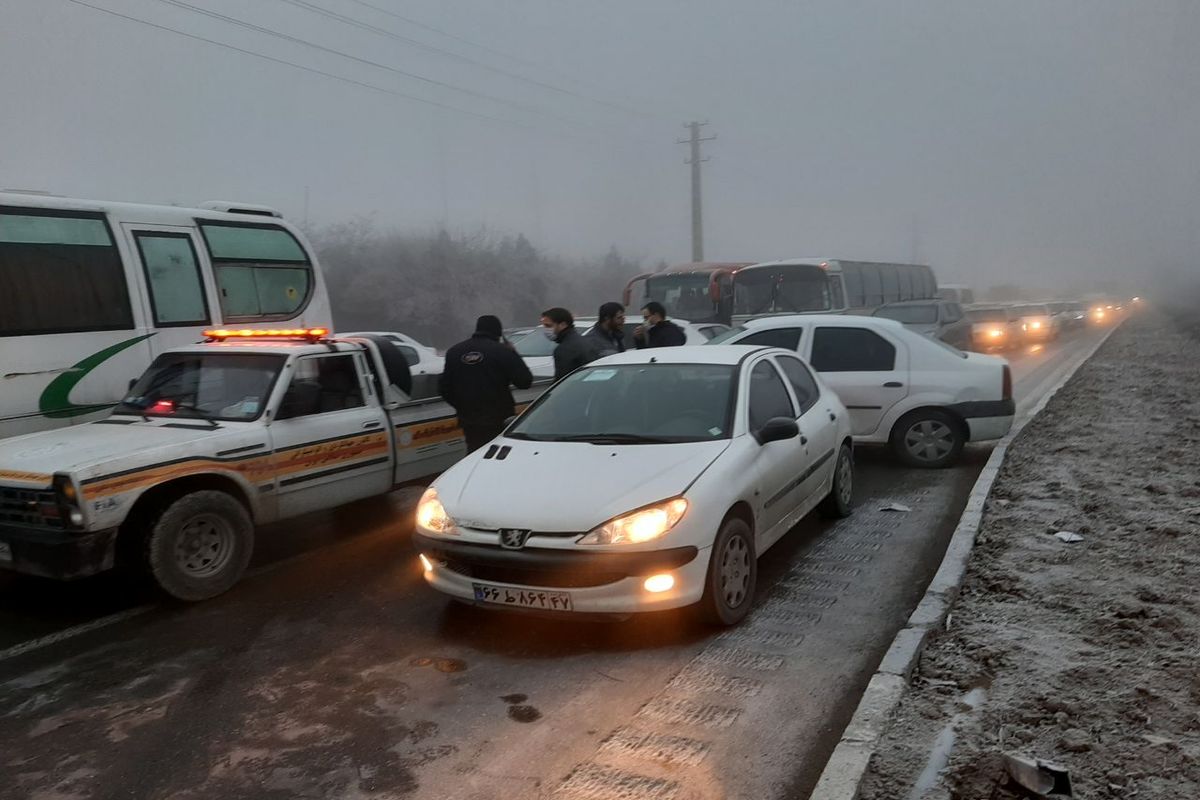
[490,325]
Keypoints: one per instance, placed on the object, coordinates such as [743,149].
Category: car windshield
[926,314]
[781,290]
[209,386]
[634,404]
[987,315]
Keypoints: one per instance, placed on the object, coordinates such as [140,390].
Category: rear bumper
[54,554]
[987,419]
[986,429]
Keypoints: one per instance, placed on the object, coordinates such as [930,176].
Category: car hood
[560,487]
[82,448]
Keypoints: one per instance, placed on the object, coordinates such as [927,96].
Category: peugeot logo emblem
[513,539]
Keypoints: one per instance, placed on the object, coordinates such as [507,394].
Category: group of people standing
[481,372]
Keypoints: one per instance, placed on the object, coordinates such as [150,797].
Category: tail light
[1007,383]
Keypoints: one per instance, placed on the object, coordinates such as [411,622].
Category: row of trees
[433,285]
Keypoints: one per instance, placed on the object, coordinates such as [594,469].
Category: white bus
[91,292]
[826,286]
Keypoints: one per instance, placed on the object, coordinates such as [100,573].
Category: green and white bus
[92,291]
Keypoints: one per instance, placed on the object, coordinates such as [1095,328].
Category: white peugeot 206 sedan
[647,480]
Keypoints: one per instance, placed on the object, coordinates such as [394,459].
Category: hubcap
[205,545]
[735,571]
[929,440]
[845,478]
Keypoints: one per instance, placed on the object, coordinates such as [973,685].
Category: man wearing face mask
[573,351]
[656,330]
[608,335]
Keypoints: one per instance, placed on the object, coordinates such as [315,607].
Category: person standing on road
[476,381]
[656,330]
[573,351]
[608,335]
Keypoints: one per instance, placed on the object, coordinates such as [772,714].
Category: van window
[176,291]
[262,271]
[853,275]
[60,272]
[872,286]
[891,283]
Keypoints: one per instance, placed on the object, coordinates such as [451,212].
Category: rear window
[60,272]
[262,271]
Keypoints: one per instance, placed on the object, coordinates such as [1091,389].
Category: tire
[732,575]
[928,439]
[198,546]
[838,503]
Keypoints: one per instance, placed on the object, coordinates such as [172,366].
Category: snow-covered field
[1088,652]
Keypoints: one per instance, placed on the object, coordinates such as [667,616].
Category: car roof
[828,320]
[789,262]
[686,354]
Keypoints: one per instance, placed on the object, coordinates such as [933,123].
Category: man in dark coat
[608,335]
[476,381]
[573,351]
[656,330]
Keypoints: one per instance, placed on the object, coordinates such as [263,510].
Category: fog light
[426,564]
[659,583]
[76,517]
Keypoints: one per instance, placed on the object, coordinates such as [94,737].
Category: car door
[867,367]
[818,424]
[778,464]
[330,435]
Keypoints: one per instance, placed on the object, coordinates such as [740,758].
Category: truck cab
[246,428]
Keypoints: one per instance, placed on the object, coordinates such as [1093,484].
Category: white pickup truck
[211,441]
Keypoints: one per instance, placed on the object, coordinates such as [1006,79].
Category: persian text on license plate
[522,598]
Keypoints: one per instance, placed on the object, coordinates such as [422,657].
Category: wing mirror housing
[777,429]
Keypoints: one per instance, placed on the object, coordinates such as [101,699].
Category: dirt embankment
[1089,651]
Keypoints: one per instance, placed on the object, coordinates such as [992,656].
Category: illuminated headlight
[1035,325]
[642,525]
[995,333]
[432,516]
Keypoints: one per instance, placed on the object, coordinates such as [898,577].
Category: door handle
[832,417]
[893,385]
[371,424]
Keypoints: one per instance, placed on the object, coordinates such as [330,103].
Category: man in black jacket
[476,381]
[656,330]
[573,349]
[608,334]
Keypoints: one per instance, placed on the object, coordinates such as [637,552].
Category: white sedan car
[920,396]
[423,361]
[538,351]
[647,480]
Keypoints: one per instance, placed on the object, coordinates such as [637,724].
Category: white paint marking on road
[71,633]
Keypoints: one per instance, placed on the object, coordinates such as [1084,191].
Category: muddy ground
[1087,652]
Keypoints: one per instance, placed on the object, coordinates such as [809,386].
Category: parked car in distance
[936,318]
[994,328]
[921,397]
[1038,323]
[687,464]
[424,362]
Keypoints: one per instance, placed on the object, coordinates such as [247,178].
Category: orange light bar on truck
[248,333]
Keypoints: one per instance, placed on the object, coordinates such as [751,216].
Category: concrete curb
[843,774]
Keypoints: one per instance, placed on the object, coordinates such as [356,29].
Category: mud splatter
[524,714]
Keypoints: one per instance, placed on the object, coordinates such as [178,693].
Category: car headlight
[1035,325]
[432,516]
[639,526]
[995,333]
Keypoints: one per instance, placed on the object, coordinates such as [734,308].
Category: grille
[546,579]
[24,507]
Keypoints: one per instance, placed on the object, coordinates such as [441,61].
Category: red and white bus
[700,291]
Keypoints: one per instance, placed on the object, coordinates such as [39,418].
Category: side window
[321,384]
[891,283]
[262,271]
[802,382]
[851,350]
[787,338]
[872,286]
[837,298]
[410,355]
[176,291]
[60,272]
[768,396]
[853,275]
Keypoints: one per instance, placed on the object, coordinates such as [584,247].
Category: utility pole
[697,210]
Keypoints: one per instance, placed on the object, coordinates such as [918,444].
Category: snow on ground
[1088,652]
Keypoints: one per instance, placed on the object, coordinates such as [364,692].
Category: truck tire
[198,546]
[928,438]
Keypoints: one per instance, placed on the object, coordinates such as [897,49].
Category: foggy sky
[996,140]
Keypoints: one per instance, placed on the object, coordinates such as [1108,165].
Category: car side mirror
[777,429]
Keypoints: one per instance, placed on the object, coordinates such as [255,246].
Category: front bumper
[603,582]
[57,554]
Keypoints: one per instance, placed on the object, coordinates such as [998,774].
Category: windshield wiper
[200,413]
[612,438]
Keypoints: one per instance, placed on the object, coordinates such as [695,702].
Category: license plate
[5,551]
[522,598]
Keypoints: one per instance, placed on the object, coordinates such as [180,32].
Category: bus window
[852,274]
[890,281]
[872,286]
[262,271]
[837,293]
[60,272]
[176,291]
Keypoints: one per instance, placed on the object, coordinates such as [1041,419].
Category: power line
[357,23]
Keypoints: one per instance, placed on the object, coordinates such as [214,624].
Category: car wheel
[199,545]
[837,504]
[930,439]
[732,574]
